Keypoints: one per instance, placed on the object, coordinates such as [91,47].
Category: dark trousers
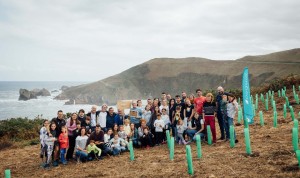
[147,141]
[70,151]
[159,137]
[221,124]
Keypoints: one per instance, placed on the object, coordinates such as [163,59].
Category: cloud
[90,40]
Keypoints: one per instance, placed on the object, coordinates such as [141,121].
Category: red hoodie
[63,140]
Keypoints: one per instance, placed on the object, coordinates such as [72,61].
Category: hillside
[185,74]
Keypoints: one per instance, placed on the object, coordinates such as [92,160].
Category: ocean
[46,107]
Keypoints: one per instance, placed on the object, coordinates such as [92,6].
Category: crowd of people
[99,133]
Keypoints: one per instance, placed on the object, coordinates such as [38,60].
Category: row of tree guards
[265,101]
[281,93]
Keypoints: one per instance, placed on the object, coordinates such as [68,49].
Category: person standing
[102,117]
[93,115]
[220,114]
[209,114]
[198,102]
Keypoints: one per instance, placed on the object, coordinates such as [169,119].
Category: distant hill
[184,74]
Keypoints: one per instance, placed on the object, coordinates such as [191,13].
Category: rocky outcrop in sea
[33,94]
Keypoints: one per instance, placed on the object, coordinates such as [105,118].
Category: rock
[54,91]
[26,95]
[43,92]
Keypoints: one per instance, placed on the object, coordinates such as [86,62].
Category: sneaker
[65,163]
[55,163]
[236,141]
[46,166]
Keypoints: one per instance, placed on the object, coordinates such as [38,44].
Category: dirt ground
[272,147]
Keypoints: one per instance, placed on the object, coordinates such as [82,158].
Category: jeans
[191,132]
[81,155]
[221,123]
[62,155]
[201,136]
[174,133]
[228,123]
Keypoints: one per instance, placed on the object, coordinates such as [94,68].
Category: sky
[89,40]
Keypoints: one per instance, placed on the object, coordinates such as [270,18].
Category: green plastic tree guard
[189,159]
[199,150]
[261,118]
[295,140]
[172,148]
[131,151]
[275,119]
[247,141]
[292,112]
[7,173]
[284,111]
[298,157]
[232,139]
[209,140]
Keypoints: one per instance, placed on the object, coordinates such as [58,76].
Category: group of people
[98,133]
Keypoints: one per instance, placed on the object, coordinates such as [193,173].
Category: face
[115,127]
[199,93]
[98,129]
[156,108]
[188,102]
[121,128]
[104,107]
[119,111]
[60,115]
[163,96]
[178,99]
[149,101]
[172,102]
[81,114]
[164,111]
[183,94]
[191,97]
[220,90]
[132,126]
[82,132]
[230,98]
[94,109]
[196,115]
[139,103]
[92,143]
[116,136]
[74,116]
[78,126]
[63,129]
[87,121]
[164,102]
[109,132]
[169,96]
[146,131]
[111,111]
[53,126]
[46,123]
[143,124]
[147,107]
[134,104]
[208,98]
[224,97]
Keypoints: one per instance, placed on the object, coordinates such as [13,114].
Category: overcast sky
[88,40]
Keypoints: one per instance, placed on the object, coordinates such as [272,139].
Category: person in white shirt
[94,114]
[232,109]
[159,126]
[102,117]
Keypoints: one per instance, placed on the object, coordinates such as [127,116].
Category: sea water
[43,106]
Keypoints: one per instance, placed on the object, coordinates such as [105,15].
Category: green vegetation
[22,130]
